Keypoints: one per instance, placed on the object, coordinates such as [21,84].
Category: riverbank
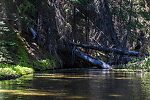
[13,71]
[137,65]
[18,56]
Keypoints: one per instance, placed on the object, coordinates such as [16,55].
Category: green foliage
[139,64]
[13,55]
[7,72]
[24,59]
[83,2]
[133,17]
[20,70]
[27,8]
[44,64]
[145,15]
[146,63]
[22,54]
[12,71]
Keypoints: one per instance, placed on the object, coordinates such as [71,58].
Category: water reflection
[85,84]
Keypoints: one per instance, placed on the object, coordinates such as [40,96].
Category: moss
[22,55]
[15,60]
[13,56]
[44,64]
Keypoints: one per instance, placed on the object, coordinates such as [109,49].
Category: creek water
[78,84]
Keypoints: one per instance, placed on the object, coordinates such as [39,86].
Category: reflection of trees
[146,86]
[116,86]
[8,88]
[69,84]
[92,85]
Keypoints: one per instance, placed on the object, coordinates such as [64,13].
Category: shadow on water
[77,84]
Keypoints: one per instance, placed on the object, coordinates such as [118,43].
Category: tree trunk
[93,61]
[101,17]
[110,50]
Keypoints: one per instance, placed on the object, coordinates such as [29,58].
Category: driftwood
[110,50]
[90,59]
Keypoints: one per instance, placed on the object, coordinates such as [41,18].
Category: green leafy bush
[44,64]
[12,71]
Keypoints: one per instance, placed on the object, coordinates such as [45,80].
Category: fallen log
[110,50]
[90,59]
[34,33]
